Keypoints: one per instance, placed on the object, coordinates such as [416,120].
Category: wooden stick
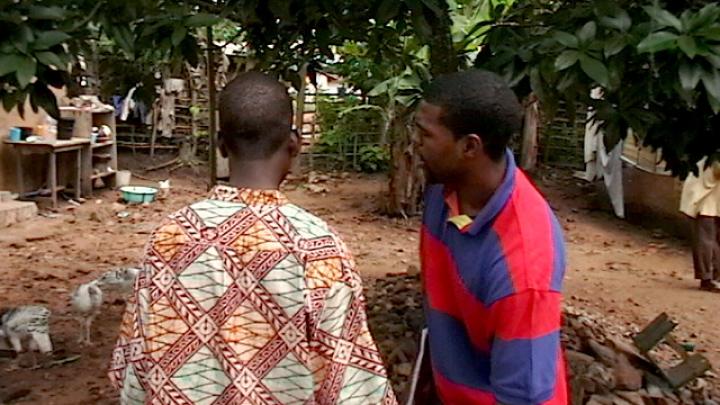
[163,165]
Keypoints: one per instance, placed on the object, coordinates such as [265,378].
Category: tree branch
[89,17]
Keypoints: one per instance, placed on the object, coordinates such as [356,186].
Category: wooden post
[78,173]
[52,180]
[529,146]
[300,110]
[211,104]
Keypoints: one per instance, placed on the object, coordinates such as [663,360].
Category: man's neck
[256,174]
[480,185]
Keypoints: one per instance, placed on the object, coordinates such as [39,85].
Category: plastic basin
[138,195]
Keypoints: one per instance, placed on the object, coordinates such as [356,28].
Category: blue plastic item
[15,134]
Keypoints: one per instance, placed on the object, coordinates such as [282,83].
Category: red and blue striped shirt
[493,297]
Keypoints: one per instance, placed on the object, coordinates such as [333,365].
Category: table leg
[53,178]
[20,179]
[78,173]
[86,172]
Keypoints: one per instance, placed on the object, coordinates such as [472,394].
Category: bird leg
[81,338]
[88,324]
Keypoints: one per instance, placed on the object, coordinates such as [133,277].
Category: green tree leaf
[10,63]
[46,13]
[711,32]
[380,89]
[614,46]
[566,39]
[587,32]
[566,60]
[621,22]
[688,46]
[387,10]
[48,39]
[658,41]
[26,71]
[714,60]
[50,59]
[44,98]
[202,20]
[689,76]
[705,18]
[15,99]
[178,35]
[711,80]
[22,36]
[663,17]
[714,103]
[595,69]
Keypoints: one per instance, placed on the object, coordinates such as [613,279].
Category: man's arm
[345,360]
[526,348]
[123,373]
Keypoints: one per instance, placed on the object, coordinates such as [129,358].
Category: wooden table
[81,147]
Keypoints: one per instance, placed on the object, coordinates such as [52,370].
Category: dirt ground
[628,273]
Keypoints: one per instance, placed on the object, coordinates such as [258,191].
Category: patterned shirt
[247,299]
[493,295]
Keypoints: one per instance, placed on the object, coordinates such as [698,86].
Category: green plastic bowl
[138,195]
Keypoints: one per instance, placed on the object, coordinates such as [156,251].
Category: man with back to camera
[246,298]
[493,257]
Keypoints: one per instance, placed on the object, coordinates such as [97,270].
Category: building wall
[34,164]
[653,201]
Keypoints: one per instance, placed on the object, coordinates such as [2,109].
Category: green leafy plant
[659,72]
[374,158]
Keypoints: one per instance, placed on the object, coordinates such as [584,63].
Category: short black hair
[477,102]
[255,115]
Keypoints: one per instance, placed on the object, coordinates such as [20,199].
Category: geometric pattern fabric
[247,299]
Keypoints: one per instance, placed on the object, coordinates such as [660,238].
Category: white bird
[86,302]
[121,280]
[30,323]
[164,188]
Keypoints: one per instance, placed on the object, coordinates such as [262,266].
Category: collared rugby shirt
[492,288]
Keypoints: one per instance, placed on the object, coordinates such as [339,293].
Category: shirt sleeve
[347,366]
[125,368]
[128,364]
[525,354]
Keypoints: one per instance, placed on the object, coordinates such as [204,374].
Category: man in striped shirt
[492,252]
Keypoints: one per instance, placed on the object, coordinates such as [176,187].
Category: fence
[562,140]
[341,132]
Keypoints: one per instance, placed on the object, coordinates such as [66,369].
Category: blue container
[15,134]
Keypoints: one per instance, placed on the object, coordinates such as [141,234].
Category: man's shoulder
[213,213]
[307,224]
[527,207]
[531,241]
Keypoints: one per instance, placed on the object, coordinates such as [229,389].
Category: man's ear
[472,145]
[222,146]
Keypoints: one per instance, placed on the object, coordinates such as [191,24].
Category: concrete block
[6,196]
[12,212]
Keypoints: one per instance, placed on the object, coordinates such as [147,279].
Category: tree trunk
[212,130]
[407,180]
[443,58]
[529,147]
